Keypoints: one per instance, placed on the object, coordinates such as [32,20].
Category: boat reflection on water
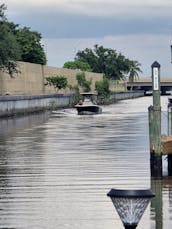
[88,106]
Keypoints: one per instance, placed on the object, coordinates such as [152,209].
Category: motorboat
[87,106]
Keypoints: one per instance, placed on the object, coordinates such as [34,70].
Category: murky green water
[55,171]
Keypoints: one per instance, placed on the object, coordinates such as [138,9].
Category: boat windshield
[87,99]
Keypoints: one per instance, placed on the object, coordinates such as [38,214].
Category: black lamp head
[130,204]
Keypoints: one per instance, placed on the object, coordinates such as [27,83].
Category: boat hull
[88,110]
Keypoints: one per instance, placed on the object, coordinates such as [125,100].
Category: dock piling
[155,124]
[169,156]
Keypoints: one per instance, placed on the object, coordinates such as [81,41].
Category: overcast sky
[139,29]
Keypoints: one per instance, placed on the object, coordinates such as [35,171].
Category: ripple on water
[56,171]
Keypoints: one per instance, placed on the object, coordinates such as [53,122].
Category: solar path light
[130,205]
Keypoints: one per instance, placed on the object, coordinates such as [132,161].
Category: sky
[139,29]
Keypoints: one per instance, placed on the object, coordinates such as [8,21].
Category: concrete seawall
[116,96]
[126,95]
[23,104]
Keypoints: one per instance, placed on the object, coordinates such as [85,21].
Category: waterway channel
[56,168]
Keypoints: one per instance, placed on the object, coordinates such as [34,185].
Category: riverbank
[25,104]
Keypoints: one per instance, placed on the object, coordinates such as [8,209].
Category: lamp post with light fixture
[130,205]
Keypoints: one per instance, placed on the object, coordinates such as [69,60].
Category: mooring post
[157,202]
[155,124]
[151,128]
[169,116]
[169,157]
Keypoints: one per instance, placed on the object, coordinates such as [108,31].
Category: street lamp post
[130,205]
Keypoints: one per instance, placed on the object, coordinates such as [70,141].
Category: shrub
[58,82]
[85,84]
[102,87]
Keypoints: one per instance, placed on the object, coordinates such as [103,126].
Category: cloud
[92,7]
[143,48]
[91,18]
[64,25]
[138,29]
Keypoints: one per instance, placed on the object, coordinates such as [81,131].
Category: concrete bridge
[145,84]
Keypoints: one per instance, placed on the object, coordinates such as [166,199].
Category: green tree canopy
[134,69]
[104,60]
[83,66]
[9,47]
[83,82]
[18,44]
[102,87]
[58,82]
[2,12]
[30,44]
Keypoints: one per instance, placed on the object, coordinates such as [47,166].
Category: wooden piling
[168,149]
[169,116]
[166,145]
[151,128]
[157,202]
[169,164]
[155,124]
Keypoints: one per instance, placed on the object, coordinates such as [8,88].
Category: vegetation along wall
[32,78]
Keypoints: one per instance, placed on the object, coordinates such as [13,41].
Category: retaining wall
[22,104]
[126,95]
[116,96]
[32,78]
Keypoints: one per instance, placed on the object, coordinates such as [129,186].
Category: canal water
[56,169]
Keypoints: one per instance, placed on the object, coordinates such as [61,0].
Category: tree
[134,69]
[30,44]
[9,47]
[58,82]
[85,84]
[18,44]
[102,87]
[2,14]
[106,61]
[83,66]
